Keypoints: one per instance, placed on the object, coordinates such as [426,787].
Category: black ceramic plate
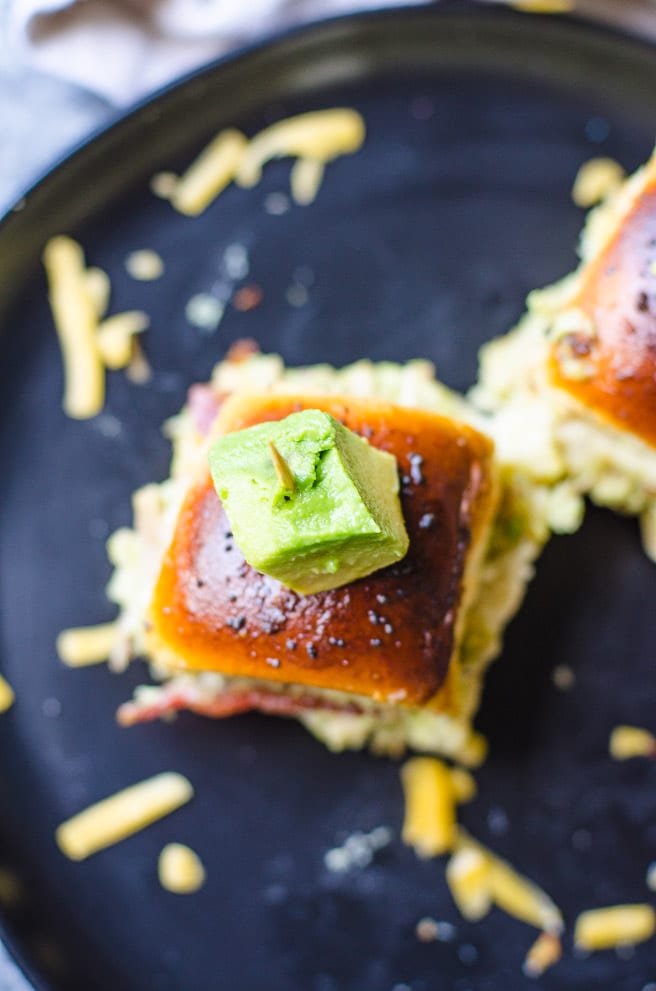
[424,243]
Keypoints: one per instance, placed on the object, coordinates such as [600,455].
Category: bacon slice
[204,404]
[227,702]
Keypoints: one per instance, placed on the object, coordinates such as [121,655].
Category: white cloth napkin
[123,49]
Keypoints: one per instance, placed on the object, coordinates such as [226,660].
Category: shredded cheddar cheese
[319,136]
[123,814]
[618,925]
[138,371]
[631,741]
[79,298]
[545,952]
[468,878]
[305,180]
[464,785]
[99,289]
[180,869]
[76,316]
[512,892]
[6,695]
[544,6]
[595,180]
[314,139]
[430,820]
[115,337]
[86,645]
[474,752]
[210,173]
[521,898]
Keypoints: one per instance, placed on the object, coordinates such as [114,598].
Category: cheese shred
[430,818]
[463,784]
[468,878]
[545,952]
[502,884]
[115,337]
[596,179]
[123,814]
[210,173]
[305,180]
[6,695]
[618,925]
[99,289]
[85,645]
[543,6]
[180,869]
[631,741]
[318,137]
[75,312]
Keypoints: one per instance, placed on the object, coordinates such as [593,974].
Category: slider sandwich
[340,547]
[571,391]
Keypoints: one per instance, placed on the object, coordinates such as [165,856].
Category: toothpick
[282,469]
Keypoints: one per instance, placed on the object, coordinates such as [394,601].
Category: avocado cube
[310,503]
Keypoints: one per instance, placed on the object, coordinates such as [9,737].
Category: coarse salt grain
[357,850]
[651,876]
[236,264]
[276,204]
[204,312]
[297,295]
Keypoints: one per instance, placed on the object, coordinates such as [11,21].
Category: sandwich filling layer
[428,710]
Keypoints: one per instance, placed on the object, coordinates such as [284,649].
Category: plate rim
[576,21]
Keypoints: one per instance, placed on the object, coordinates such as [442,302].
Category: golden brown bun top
[618,293]
[390,635]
